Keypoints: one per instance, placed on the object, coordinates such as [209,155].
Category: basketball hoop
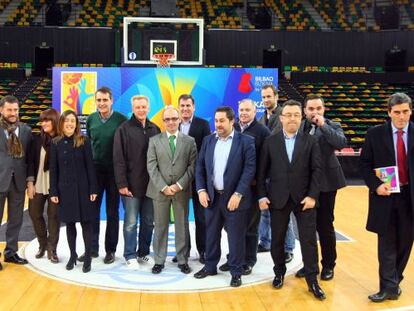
[163,60]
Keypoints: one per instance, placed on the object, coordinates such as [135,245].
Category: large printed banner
[74,88]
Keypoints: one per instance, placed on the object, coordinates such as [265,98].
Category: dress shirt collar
[169,135]
[395,130]
[107,118]
[287,137]
[226,138]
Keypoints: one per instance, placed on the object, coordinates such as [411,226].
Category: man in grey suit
[170,163]
[330,137]
[15,139]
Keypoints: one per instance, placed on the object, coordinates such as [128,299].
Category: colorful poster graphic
[77,91]
[74,88]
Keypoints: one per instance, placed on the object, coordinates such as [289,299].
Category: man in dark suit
[390,214]
[331,137]
[247,124]
[198,129]
[271,119]
[225,169]
[292,161]
[15,139]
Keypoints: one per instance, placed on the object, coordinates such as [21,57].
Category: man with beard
[15,139]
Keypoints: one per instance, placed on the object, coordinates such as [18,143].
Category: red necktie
[401,158]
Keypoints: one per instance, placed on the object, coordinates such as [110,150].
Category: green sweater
[102,138]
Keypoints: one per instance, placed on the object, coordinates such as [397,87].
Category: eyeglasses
[171,119]
[290,115]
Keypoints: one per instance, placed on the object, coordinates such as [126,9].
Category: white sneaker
[132,264]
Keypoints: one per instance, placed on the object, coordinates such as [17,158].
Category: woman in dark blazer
[73,184]
[38,187]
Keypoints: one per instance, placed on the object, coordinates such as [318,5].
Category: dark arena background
[354,54]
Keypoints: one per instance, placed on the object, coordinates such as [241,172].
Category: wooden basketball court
[356,277]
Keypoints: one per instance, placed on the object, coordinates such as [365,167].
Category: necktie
[172,145]
[313,129]
[401,159]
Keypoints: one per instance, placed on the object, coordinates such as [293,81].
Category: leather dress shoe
[384,295]
[278,281]
[156,269]
[235,281]
[317,291]
[224,267]
[203,273]
[262,249]
[175,260]
[109,258]
[41,252]
[86,266]
[288,257]
[185,268]
[15,259]
[300,273]
[327,274]
[247,269]
[202,258]
[52,256]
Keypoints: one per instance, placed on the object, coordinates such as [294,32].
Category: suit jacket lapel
[210,153]
[178,145]
[166,143]
[192,127]
[410,138]
[389,141]
[282,144]
[297,149]
[233,149]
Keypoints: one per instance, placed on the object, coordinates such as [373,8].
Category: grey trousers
[15,205]
[161,224]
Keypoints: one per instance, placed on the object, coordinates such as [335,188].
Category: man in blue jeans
[130,165]
[270,119]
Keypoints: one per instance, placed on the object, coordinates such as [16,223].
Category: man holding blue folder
[390,215]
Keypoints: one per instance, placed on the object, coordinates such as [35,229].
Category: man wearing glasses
[170,162]
[292,159]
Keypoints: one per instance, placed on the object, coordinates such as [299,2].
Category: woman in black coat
[73,184]
[38,187]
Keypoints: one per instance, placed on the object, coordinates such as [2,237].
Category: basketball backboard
[145,36]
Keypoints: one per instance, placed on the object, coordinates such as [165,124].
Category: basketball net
[163,60]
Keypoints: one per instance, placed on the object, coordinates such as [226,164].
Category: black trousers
[87,238]
[106,183]
[252,234]
[326,231]
[47,237]
[306,220]
[394,247]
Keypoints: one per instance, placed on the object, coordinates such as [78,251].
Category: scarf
[46,140]
[14,145]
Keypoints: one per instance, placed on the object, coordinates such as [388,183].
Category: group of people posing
[247,174]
